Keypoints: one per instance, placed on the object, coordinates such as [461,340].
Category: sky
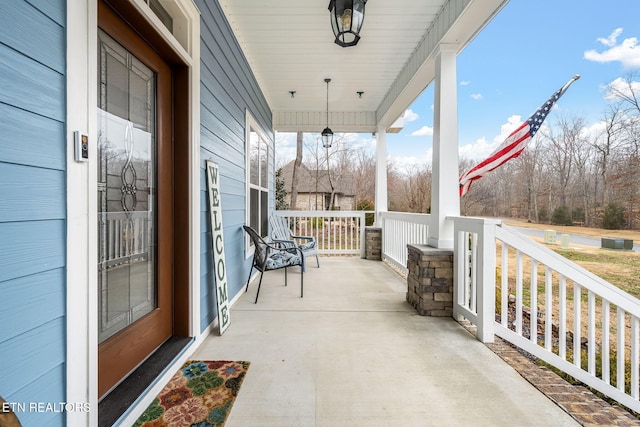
[525,54]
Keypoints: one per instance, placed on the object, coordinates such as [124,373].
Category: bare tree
[604,145]
[417,188]
[296,166]
[529,164]
[563,142]
[364,167]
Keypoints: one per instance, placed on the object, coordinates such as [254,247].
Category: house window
[258,180]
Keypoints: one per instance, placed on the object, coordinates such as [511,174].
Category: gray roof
[343,182]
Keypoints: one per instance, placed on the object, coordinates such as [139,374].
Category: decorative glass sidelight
[127,176]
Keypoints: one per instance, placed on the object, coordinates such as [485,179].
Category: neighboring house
[105,249]
[316,187]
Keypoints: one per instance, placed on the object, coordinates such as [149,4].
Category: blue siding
[228,89]
[33,34]
[22,200]
[46,389]
[30,85]
[33,206]
[20,129]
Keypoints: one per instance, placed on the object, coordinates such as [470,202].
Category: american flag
[515,142]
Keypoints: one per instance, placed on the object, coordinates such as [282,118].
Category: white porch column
[381,174]
[445,200]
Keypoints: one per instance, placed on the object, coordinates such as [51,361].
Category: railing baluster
[577,324]
[548,309]
[504,296]
[592,333]
[518,292]
[605,348]
[466,256]
[474,273]
[620,348]
[634,357]
[562,318]
[533,318]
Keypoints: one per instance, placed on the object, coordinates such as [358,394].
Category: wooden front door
[135,200]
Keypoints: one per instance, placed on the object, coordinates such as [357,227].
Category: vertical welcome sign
[215,215]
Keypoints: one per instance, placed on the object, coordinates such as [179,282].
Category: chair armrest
[311,238]
[283,243]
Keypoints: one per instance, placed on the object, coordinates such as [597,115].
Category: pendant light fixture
[347,17]
[327,134]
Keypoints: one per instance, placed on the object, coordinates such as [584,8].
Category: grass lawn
[621,268]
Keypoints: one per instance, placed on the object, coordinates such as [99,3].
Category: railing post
[486,282]
[380,222]
[363,224]
[459,266]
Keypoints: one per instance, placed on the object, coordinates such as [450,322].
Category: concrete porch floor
[353,352]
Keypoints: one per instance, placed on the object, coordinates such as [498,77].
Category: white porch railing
[125,237]
[336,232]
[556,303]
[400,229]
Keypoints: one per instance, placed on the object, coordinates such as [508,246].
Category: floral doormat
[200,394]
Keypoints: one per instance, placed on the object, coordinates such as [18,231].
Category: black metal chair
[272,257]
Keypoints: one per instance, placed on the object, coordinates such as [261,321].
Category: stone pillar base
[373,243]
[430,280]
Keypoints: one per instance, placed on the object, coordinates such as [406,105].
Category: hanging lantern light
[347,17]
[327,134]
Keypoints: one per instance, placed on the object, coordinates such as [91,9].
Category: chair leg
[285,275]
[301,283]
[249,278]
[259,284]
[317,260]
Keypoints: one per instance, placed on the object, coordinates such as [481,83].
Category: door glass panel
[127,169]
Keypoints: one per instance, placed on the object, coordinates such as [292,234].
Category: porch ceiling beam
[315,121]
[457,24]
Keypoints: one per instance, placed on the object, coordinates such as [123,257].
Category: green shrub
[578,214]
[543,214]
[561,216]
[613,217]
[366,205]
[316,222]
[281,193]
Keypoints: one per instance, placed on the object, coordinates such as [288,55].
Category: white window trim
[82,233]
[252,123]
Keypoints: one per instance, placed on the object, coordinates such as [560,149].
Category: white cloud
[594,131]
[620,86]
[465,83]
[404,164]
[285,148]
[423,131]
[410,116]
[478,150]
[612,39]
[627,52]
[505,130]
[476,96]
[481,149]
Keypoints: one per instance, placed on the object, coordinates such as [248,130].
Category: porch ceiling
[289,46]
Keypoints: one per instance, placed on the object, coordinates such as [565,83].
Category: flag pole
[569,83]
